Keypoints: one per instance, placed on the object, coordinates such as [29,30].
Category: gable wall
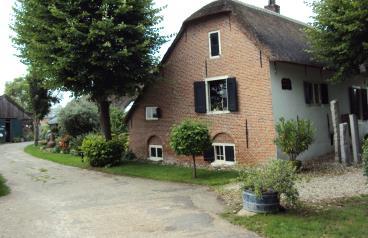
[175,94]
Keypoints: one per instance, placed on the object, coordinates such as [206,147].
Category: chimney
[272,6]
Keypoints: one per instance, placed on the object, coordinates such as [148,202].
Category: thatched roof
[283,36]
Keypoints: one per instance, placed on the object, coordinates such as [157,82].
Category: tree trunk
[36,131]
[194,167]
[104,109]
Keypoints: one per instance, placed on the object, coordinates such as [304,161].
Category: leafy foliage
[79,117]
[190,138]
[18,90]
[365,157]
[100,152]
[91,48]
[294,136]
[277,176]
[339,35]
[117,121]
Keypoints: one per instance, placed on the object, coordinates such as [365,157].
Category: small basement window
[286,84]
[224,153]
[152,113]
[155,152]
[215,44]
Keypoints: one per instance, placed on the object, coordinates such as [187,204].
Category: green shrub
[79,117]
[123,138]
[117,121]
[100,152]
[45,130]
[365,157]
[276,176]
[129,155]
[294,136]
[190,138]
[76,143]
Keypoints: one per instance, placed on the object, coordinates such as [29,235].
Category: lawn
[346,218]
[143,169]
[4,190]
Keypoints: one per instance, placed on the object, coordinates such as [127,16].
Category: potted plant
[263,186]
[294,137]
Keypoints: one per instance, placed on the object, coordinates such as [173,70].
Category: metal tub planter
[269,202]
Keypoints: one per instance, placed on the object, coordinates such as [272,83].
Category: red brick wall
[175,94]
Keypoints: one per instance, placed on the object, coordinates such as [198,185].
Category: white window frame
[209,44]
[155,147]
[223,161]
[208,101]
[361,106]
[149,113]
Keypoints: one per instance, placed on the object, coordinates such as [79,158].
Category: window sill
[155,159]
[218,112]
[151,119]
[215,57]
[220,163]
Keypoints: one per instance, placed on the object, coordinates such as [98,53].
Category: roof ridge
[269,12]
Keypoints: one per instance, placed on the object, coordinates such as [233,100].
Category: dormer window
[215,44]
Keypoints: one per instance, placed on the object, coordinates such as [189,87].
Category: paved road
[51,200]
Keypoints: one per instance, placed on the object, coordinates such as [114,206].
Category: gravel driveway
[51,200]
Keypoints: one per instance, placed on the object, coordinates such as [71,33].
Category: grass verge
[143,169]
[345,218]
[4,190]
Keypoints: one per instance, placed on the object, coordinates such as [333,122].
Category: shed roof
[283,36]
[10,109]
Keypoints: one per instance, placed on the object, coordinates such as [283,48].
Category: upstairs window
[316,93]
[217,95]
[215,44]
[152,113]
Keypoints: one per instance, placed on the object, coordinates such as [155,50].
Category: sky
[174,14]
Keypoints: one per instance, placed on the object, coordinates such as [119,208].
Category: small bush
[294,136]
[276,176]
[123,138]
[190,138]
[76,143]
[101,153]
[365,158]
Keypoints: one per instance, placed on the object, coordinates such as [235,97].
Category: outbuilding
[13,120]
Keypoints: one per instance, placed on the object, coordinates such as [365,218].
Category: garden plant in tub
[264,185]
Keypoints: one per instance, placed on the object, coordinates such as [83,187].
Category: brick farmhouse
[239,68]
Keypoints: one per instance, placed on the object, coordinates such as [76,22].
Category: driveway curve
[52,200]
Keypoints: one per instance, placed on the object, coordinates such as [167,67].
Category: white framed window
[152,113]
[214,40]
[155,152]
[217,95]
[224,153]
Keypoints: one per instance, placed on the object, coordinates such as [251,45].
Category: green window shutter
[209,155]
[232,94]
[324,93]
[308,92]
[200,97]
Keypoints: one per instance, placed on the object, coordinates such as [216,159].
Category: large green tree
[41,100]
[18,90]
[98,48]
[339,36]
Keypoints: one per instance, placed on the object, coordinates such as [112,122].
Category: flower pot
[269,202]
